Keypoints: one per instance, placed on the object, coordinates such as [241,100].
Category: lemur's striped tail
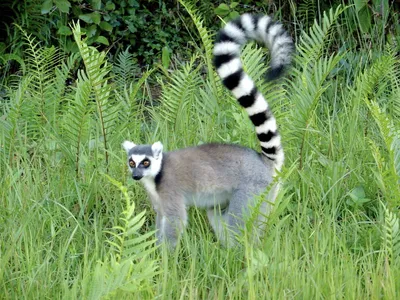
[229,67]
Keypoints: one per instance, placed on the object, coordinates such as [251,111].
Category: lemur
[224,179]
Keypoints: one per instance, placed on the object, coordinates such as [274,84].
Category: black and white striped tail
[229,67]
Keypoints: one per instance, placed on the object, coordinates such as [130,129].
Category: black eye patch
[145,163]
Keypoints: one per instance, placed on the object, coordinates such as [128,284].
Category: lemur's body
[224,179]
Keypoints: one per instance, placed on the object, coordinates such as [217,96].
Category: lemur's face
[144,160]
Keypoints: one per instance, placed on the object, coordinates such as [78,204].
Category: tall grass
[73,225]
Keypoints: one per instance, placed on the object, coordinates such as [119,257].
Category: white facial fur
[153,169]
[155,166]
[155,159]
[137,159]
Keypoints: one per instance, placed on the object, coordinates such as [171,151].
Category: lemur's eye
[146,163]
[132,164]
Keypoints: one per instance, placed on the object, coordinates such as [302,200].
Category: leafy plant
[227,11]
[391,235]
[128,269]
[77,120]
[357,197]
[97,73]
[205,37]
[367,12]
[368,87]
[119,24]
[311,78]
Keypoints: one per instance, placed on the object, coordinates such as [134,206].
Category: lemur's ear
[127,145]
[157,149]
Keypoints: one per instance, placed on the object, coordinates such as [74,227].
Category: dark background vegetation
[155,30]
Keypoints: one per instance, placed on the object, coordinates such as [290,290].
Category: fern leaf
[391,235]
[40,65]
[133,107]
[395,149]
[128,232]
[5,58]
[11,129]
[206,39]
[306,91]
[312,68]
[76,120]
[124,69]
[307,12]
[367,85]
[130,268]
[97,71]
[313,44]
[391,138]
[59,88]
[178,94]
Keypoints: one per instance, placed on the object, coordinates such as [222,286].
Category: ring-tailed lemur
[224,179]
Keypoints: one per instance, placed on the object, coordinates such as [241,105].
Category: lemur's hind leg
[243,202]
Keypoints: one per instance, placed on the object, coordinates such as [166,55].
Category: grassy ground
[68,230]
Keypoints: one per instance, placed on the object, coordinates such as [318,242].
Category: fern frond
[315,43]
[311,71]
[369,88]
[306,92]
[76,120]
[5,58]
[11,126]
[120,279]
[62,73]
[129,242]
[307,12]
[395,149]
[369,82]
[129,268]
[124,69]
[391,137]
[97,71]
[391,235]
[40,64]
[206,39]
[178,95]
[132,107]
[391,90]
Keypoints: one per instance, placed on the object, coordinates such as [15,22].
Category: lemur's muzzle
[137,177]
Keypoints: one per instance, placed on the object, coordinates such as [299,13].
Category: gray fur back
[213,167]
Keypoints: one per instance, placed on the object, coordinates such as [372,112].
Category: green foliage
[67,232]
[205,38]
[37,99]
[314,68]
[124,68]
[77,121]
[118,24]
[391,235]
[375,83]
[357,197]
[129,269]
[366,13]
[96,73]
[179,96]
[227,12]
[307,11]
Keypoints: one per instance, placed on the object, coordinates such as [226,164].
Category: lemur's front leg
[171,221]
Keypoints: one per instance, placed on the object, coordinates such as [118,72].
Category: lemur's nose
[137,177]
